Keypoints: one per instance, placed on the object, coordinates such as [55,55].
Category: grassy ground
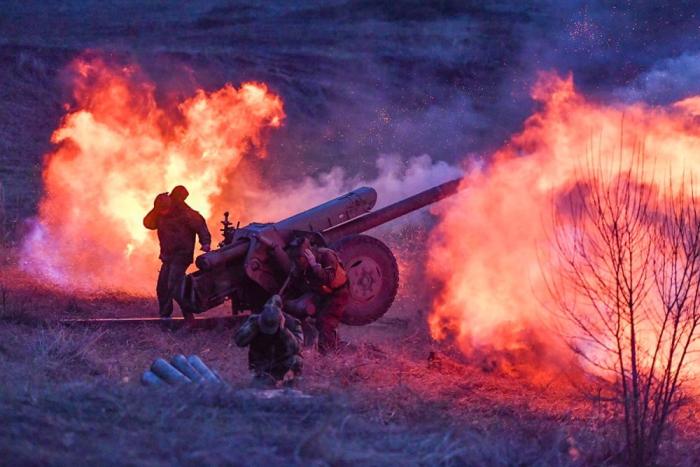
[72,396]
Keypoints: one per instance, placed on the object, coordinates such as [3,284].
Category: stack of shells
[180,370]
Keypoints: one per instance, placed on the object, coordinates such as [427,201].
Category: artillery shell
[150,379]
[180,362]
[168,373]
[203,370]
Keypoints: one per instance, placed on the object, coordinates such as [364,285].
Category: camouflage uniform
[176,233]
[324,294]
[271,356]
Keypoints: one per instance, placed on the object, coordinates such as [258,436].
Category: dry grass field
[72,395]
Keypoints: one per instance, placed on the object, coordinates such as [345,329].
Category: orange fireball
[491,248]
[116,149]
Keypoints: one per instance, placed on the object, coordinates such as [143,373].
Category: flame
[488,248]
[115,150]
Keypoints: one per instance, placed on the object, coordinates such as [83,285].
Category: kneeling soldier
[274,340]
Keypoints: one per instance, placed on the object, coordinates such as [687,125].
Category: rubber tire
[360,312]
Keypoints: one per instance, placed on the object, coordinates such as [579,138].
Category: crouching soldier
[274,340]
[320,279]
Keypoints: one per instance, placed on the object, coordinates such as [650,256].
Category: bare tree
[628,278]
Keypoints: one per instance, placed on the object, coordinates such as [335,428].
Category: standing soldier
[274,340]
[177,225]
[319,275]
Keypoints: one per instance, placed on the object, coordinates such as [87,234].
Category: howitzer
[244,268]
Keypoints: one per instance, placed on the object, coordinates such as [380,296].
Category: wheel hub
[365,278]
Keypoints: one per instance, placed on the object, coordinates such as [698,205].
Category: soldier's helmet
[271,316]
[275,301]
[179,194]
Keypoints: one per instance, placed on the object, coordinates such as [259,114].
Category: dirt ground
[72,395]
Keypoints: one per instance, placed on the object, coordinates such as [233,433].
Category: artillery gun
[244,270]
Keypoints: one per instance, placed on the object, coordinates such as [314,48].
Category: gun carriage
[243,270]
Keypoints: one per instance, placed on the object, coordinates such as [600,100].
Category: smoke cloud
[396,179]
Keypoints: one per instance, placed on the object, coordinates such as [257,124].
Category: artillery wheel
[373,276]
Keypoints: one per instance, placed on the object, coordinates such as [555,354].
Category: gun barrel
[333,212]
[323,216]
[388,213]
[221,256]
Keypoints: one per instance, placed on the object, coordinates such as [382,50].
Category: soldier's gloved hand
[162,202]
[206,248]
[310,257]
[159,197]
